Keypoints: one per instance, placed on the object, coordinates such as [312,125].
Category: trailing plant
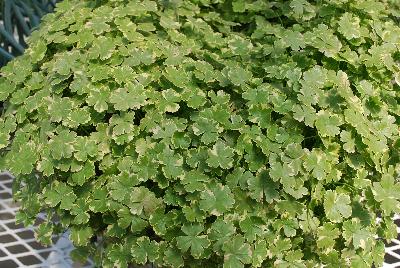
[209,133]
[19,18]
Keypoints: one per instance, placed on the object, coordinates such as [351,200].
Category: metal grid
[18,247]
[392,257]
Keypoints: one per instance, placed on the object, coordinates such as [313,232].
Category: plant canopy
[209,133]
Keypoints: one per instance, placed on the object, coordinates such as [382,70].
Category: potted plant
[209,133]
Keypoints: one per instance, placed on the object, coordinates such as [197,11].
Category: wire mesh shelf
[18,247]
[392,250]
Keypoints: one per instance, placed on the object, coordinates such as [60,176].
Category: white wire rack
[18,247]
[392,257]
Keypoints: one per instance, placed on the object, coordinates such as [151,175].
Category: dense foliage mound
[209,132]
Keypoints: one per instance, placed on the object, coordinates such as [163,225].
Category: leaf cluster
[209,133]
